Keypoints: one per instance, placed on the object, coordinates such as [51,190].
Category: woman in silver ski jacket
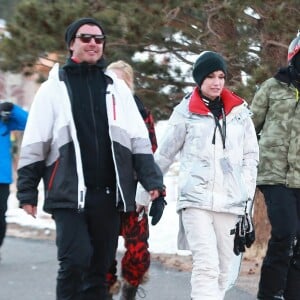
[213,133]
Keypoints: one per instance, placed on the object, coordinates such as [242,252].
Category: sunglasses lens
[99,40]
[86,38]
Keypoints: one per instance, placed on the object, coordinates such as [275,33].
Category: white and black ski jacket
[50,148]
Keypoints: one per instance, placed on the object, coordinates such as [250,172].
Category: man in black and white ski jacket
[86,139]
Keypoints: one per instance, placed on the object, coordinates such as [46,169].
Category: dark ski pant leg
[281,205]
[103,220]
[74,251]
[4,193]
[86,247]
[292,290]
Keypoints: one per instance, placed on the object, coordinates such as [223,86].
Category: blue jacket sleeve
[17,119]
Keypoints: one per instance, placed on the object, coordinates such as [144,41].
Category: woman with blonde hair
[134,226]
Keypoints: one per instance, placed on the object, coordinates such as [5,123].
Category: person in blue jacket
[12,117]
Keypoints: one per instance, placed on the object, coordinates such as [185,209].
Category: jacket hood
[283,75]
[287,75]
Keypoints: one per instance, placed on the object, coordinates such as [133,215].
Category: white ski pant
[209,239]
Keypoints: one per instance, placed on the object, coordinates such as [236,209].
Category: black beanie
[73,27]
[208,62]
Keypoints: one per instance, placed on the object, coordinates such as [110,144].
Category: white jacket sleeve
[250,159]
[171,143]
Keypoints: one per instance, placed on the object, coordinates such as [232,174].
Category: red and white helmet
[294,47]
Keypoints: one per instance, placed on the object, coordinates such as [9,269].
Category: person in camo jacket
[134,226]
[276,116]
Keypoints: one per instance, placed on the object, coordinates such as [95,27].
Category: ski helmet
[294,48]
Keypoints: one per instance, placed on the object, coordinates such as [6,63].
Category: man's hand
[30,209]
[154,194]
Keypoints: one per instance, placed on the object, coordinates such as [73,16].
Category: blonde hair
[124,71]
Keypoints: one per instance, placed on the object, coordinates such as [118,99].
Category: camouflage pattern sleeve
[259,106]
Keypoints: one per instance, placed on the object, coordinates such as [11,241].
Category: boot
[128,291]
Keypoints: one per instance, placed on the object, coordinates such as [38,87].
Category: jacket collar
[229,99]
[72,63]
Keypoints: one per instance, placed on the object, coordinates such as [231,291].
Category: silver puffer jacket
[203,182]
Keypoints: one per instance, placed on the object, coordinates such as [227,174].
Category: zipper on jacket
[50,184]
[95,125]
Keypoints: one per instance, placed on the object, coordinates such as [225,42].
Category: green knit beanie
[206,63]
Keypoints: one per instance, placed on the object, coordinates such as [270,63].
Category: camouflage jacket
[276,116]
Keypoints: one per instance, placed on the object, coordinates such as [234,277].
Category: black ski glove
[5,111]
[250,232]
[239,239]
[244,234]
[157,209]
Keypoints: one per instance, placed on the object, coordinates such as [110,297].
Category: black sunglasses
[86,38]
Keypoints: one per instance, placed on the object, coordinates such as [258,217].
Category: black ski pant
[4,193]
[280,272]
[86,243]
